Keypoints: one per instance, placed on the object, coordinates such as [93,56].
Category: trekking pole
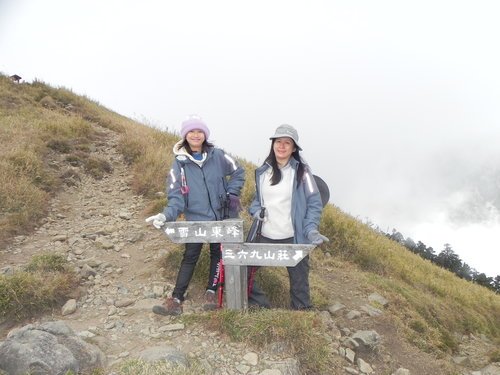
[220,265]
[257,227]
[220,291]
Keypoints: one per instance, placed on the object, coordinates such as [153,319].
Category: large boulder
[49,348]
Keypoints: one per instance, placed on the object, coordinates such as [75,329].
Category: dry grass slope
[37,121]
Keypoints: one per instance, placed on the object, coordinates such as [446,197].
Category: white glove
[316,238]
[158,220]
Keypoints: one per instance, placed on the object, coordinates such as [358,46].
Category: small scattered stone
[171,327]
[69,307]
[124,302]
[251,358]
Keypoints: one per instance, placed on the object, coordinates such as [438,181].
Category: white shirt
[277,200]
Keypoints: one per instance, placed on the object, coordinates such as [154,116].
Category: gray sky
[396,102]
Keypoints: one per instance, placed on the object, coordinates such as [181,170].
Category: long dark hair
[204,146]
[271,160]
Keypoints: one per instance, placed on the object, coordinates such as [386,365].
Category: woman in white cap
[287,194]
[201,178]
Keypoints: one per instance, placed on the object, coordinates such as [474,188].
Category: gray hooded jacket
[306,202]
[199,188]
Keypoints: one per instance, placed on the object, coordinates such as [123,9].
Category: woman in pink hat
[201,178]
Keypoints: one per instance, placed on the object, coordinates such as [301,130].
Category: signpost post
[237,255]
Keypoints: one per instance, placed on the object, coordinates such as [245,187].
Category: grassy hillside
[429,304]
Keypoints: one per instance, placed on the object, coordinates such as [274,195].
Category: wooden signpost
[236,254]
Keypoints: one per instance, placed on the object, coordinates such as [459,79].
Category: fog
[396,104]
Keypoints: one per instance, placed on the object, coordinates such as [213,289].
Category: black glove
[234,203]
[259,216]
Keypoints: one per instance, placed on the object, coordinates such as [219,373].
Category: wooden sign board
[204,231]
[264,254]
[236,254]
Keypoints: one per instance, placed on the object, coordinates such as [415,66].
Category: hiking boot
[171,306]
[210,302]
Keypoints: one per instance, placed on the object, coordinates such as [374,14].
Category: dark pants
[299,283]
[190,258]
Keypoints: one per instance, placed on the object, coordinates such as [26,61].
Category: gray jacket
[200,191]
[306,202]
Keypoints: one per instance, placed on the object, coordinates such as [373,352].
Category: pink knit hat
[194,123]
